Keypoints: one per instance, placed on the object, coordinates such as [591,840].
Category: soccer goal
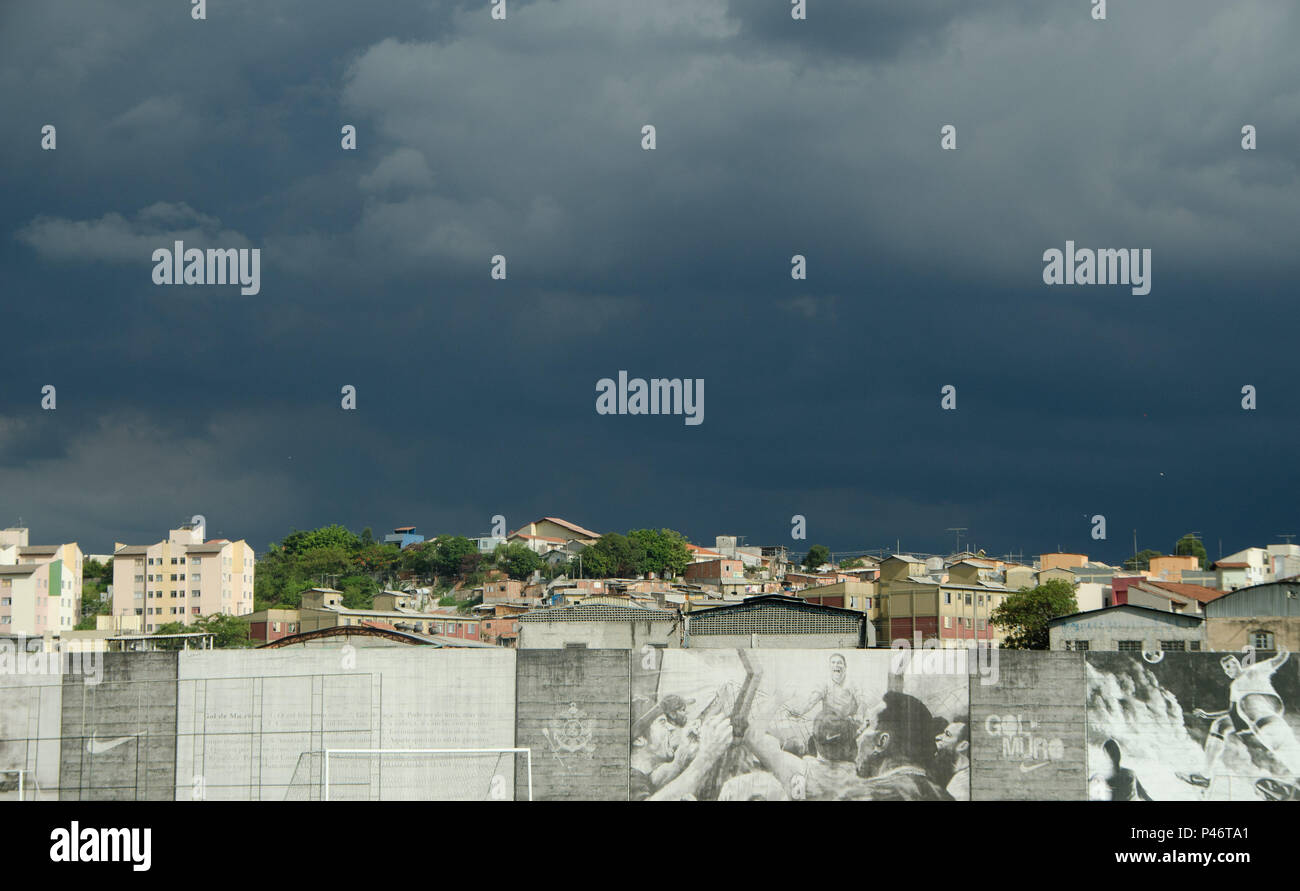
[425,774]
[12,783]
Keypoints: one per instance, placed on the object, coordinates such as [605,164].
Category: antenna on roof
[957,531]
[1287,535]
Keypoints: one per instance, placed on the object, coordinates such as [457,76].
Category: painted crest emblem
[571,731]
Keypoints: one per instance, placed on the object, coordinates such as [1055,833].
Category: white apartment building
[182,578]
[40,585]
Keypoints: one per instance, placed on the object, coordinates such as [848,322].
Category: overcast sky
[774,137]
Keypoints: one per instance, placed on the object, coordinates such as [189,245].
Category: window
[575,646]
[1080,646]
[947,598]
[1194,646]
[1173,646]
[1130,646]
[1262,640]
[947,621]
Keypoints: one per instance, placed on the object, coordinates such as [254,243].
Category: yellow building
[913,605]
[182,578]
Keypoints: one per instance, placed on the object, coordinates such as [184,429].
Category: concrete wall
[1027,730]
[30,733]
[573,712]
[631,635]
[119,736]
[777,641]
[254,724]
[707,724]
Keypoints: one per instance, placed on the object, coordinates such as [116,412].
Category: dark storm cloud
[775,137]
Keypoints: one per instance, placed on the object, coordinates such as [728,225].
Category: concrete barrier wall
[119,735]
[1028,729]
[710,724]
[256,724]
[30,736]
[572,708]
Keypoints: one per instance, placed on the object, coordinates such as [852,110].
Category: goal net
[491,774]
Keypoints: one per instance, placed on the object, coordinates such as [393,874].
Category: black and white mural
[1193,726]
[783,725]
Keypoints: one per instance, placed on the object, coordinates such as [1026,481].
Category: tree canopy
[1025,614]
[1190,545]
[1142,559]
[816,556]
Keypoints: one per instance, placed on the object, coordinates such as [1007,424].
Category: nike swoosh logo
[1025,768]
[100,746]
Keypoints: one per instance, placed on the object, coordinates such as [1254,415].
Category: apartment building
[40,585]
[182,578]
[912,604]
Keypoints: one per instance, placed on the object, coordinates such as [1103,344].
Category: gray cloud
[775,137]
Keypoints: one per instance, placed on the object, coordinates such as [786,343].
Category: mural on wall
[783,725]
[1193,726]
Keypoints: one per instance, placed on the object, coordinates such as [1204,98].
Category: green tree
[1190,545]
[359,591]
[297,542]
[855,563]
[1024,615]
[661,551]
[227,632]
[419,558]
[1142,559]
[612,556]
[816,556]
[455,556]
[516,559]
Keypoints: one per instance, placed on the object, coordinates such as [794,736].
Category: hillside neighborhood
[552,583]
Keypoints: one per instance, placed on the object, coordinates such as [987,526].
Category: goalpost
[500,784]
[22,774]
